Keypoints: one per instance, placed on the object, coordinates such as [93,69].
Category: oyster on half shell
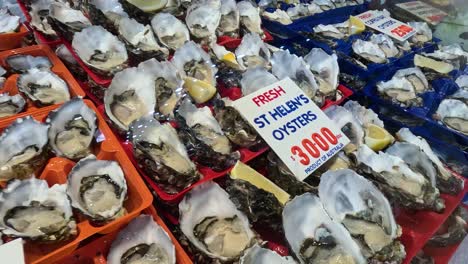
[202,19]
[11,105]
[230,19]
[252,52]
[106,13]
[66,20]
[23,63]
[170,31]
[256,78]
[369,51]
[250,18]
[454,114]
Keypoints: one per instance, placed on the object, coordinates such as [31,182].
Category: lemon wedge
[199,90]
[230,59]
[438,66]
[148,6]
[242,171]
[377,138]
[356,26]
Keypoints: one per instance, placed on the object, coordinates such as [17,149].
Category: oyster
[452,231]
[23,63]
[303,10]
[140,40]
[39,11]
[229,22]
[423,32]
[349,125]
[142,241]
[23,148]
[325,5]
[334,31]
[416,77]
[261,255]
[11,105]
[446,181]
[279,16]
[72,128]
[364,115]
[249,16]
[356,203]
[256,78]
[8,22]
[43,87]
[97,188]
[168,85]
[198,71]
[401,91]
[386,44]
[100,50]
[30,209]
[66,21]
[369,51]
[252,52]
[203,19]
[286,65]
[143,10]
[203,137]
[106,13]
[130,96]
[213,224]
[170,31]
[69,60]
[324,66]
[462,81]
[314,237]
[454,114]
[160,153]
[391,174]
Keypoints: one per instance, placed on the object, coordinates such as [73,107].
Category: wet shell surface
[260,255]
[170,31]
[23,63]
[11,105]
[253,79]
[454,113]
[252,52]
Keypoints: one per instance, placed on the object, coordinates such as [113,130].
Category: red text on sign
[311,148]
[268,96]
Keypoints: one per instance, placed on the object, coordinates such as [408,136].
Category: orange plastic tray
[56,171]
[13,40]
[96,251]
[57,67]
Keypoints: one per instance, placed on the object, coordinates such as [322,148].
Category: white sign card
[293,125]
[424,11]
[379,21]
[12,252]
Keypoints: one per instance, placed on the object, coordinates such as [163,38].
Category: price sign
[294,126]
[423,11]
[387,25]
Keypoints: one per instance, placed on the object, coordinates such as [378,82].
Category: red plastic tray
[56,171]
[96,251]
[13,40]
[233,43]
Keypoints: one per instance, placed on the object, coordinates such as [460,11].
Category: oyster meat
[454,114]
[386,44]
[162,155]
[252,52]
[416,77]
[400,91]
[100,50]
[255,78]
[130,96]
[23,63]
[369,51]
[325,68]
[23,148]
[97,188]
[261,255]
[8,22]
[66,20]
[11,105]
[105,12]
[43,87]
[314,237]
[170,31]
[230,19]
[356,203]
[203,137]
[30,209]
[142,241]
[249,16]
[423,32]
[39,11]
[212,223]
[72,129]
[202,19]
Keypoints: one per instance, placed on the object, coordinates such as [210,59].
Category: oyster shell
[416,77]
[364,115]
[130,96]
[324,66]
[303,10]
[162,155]
[69,60]
[100,50]
[369,51]
[143,10]
[386,44]
[260,255]
[349,125]
[30,209]
[289,65]
[23,63]
[423,32]
[314,237]
[279,16]
[72,128]
[43,87]
[168,85]
[462,82]
[406,187]
[213,224]
[454,114]
[255,78]
[252,52]
[11,105]
[446,181]
[250,18]
[66,21]
[452,231]
[170,31]
[23,148]
[142,241]
[39,11]
[203,137]
[97,188]
[401,91]
[330,31]
[106,13]
[355,202]
[203,19]
[230,19]
[8,22]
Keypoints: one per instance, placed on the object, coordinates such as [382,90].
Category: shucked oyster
[23,148]
[386,44]
[406,187]
[8,23]
[142,241]
[106,13]
[143,11]
[30,209]
[349,125]
[130,96]
[416,77]
[252,52]
[170,31]
[423,32]
[401,91]
[355,202]
[256,78]
[229,22]
[369,51]
[11,105]
[97,188]
[23,63]
[72,128]
[325,68]
[39,13]
[100,50]
[202,19]
[203,137]
[213,224]
[66,20]
[260,255]
[43,87]
[250,18]
[314,237]
[454,114]
[162,155]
